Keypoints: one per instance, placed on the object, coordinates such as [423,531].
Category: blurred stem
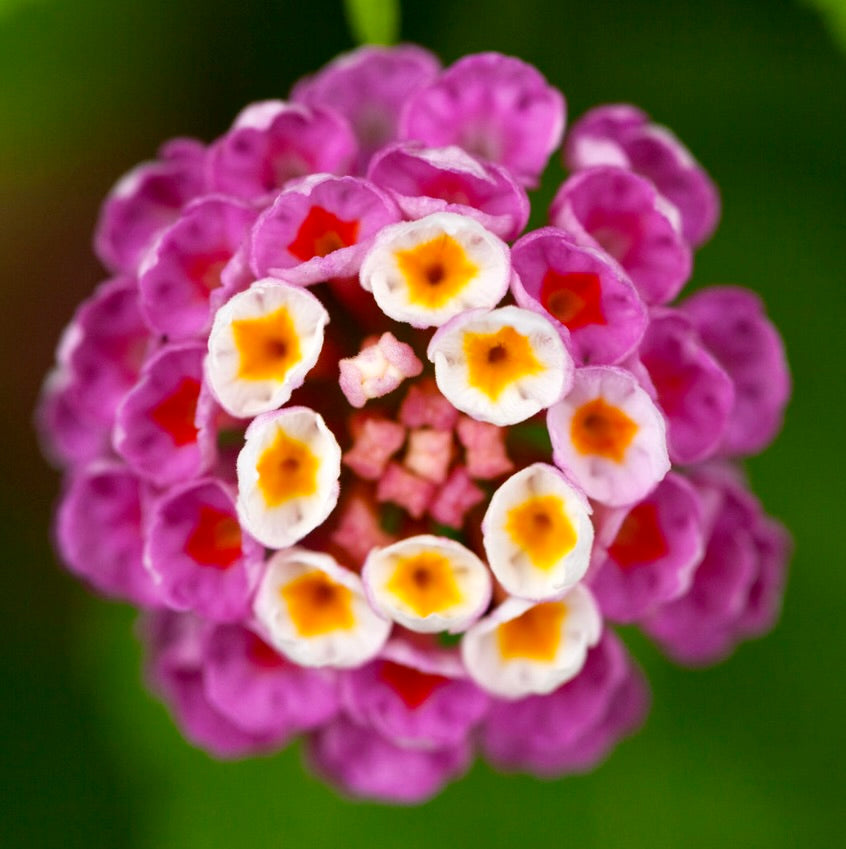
[834,15]
[373,21]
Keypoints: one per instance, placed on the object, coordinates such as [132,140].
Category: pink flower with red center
[380,468]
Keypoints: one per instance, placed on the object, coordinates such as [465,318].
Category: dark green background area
[746,754]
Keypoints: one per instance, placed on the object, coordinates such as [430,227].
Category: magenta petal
[103,349]
[260,691]
[732,323]
[494,106]
[763,604]
[360,762]
[288,239]
[157,430]
[202,724]
[145,200]
[659,543]
[176,647]
[657,154]
[626,713]
[600,124]
[368,87]
[67,434]
[736,589]
[272,142]
[202,559]
[416,699]
[99,532]
[572,728]
[614,209]
[694,391]
[622,135]
[605,317]
[427,180]
[186,265]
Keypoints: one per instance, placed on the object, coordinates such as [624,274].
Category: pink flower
[736,588]
[273,142]
[575,726]
[646,555]
[493,106]
[587,296]
[622,135]
[624,215]
[377,476]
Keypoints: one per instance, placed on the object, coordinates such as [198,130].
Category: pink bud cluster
[382,469]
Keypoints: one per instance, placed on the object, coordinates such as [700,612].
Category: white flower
[288,474]
[315,611]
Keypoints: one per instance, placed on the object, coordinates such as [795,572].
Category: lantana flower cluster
[382,469]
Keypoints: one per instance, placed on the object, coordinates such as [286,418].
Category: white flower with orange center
[428,583]
[262,344]
[425,272]
[524,648]
[315,611]
[288,473]
[500,366]
[537,533]
[609,436]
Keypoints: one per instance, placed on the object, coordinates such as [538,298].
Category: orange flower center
[426,583]
[536,635]
[436,271]
[602,429]
[496,360]
[318,605]
[287,469]
[268,346]
[541,528]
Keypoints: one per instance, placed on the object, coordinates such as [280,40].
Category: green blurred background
[747,754]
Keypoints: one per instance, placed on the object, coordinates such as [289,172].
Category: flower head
[379,469]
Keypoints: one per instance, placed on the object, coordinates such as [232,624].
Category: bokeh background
[750,753]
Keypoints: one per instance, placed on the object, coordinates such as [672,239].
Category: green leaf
[373,21]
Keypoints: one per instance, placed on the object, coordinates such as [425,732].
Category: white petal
[283,520]
[519,396]
[544,495]
[465,240]
[513,677]
[645,460]
[241,394]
